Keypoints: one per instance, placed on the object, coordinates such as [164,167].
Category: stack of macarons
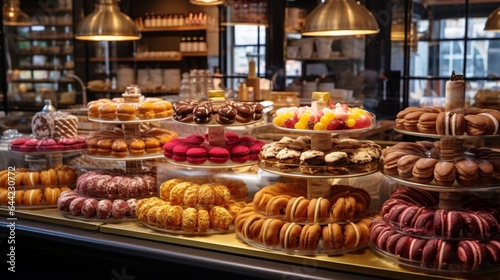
[195,149]
[27,145]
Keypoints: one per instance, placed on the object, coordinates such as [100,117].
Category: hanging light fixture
[207,2]
[339,18]
[493,21]
[12,14]
[107,23]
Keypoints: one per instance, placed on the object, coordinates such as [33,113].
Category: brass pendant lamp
[493,21]
[107,23]
[207,2]
[339,18]
[13,15]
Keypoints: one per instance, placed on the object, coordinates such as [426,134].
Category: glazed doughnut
[206,195]
[309,237]
[190,219]
[270,232]
[119,209]
[222,194]
[75,207]
[333,237]
[33,197]
[242,216]
[31,179]
[19,197]
[203,220]
[51,195]
[104,208]
[290,235]
[65,199]
[277,205]
[318,209]
[344,208]
[89,208]
[153,214]
[296,209]
[48,177]
[167,186]
[252,227]
[18,179]
[177,193]
[144,205]
[220,218]
[191,196]
[355,234]
[173,217]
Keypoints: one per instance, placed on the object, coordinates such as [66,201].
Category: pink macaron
[67,143]
[194,139]
[179,152]
[196,155]
[47,145]
[255,150]
[218,155]
[18,144]
[239,153]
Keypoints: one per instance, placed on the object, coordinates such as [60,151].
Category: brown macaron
[411,120]
[444,173]
[486,171]
[450,123]
[427,123]
[423,170]
[405,165]
[467,172]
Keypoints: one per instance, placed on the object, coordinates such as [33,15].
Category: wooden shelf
[42,81]
[132,59]
[144,92]
[173,28]
[194,54]
[45,38]
[343,58]
[45,53]
[44,67]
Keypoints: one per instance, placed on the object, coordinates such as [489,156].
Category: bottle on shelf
[189,45]
[195,45]
[147,20]
[202,44]
[175,20]
[182,45]
[185,89]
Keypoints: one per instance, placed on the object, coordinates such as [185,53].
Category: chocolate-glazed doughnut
[216,105]
[226,114]
[245,113]
[202,113]
[183,110]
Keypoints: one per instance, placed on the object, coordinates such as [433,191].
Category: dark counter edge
[79,254]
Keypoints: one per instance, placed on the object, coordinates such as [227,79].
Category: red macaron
[194,139]
[218,155]
[239,153]
[255,150]
[67,143]
[17,144]
[179,152]
[47,145]
[196,155]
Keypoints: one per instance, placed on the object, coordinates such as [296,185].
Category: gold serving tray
[50,215]
[363,261]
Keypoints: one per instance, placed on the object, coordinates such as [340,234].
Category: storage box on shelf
[40,56]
